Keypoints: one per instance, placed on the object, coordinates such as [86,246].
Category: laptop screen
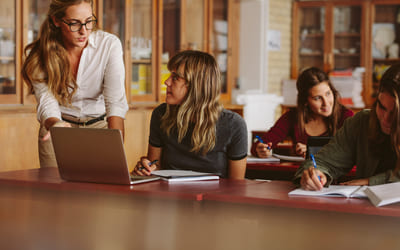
[315,143]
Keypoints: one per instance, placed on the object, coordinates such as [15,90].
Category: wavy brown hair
[201,107]
[307,80]
[46,58]
[390,83]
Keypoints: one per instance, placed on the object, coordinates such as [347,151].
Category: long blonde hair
[46,58]
[201,107]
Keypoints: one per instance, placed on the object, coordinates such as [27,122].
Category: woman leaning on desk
[318,113]
[76,73]
[370,140]
[192,131]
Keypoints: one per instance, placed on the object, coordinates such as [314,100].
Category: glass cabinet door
[385,41]
[37,14]
[8,89]
[114,17]
[219,45]
[347,37]
[171,43]
[311,50]
[141,47]
[193,26]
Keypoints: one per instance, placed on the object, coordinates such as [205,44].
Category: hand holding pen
[312,178]
[263,149]
[144,166]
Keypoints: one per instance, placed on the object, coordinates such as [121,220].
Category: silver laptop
[92,155]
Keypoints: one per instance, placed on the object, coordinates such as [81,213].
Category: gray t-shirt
[231,144]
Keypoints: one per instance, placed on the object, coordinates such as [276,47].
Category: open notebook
[92,155]
[334,191]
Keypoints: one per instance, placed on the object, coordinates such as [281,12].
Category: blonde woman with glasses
[75,72]
[192,131]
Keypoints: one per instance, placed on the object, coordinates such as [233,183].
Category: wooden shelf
[386,60]
[347,54]
[147,61]
[311,54]
[348,34]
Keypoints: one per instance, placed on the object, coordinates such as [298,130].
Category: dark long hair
[307,80]
[390,83]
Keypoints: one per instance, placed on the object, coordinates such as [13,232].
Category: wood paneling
[19,135]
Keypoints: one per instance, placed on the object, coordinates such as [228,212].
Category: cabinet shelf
[147,61]
[347,54]
[386,60]
[348,34]
[8,58]
[311,54]
[315,36]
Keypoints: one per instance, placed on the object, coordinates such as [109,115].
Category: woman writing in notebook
[370,140]
[76,73]
[192,131]
[318,113]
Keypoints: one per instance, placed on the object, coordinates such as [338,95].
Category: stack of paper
[183,175]
[350,87]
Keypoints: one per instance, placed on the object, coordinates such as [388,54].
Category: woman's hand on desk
[312,179]
[144,167]
[264,149]
[53,122]
[301,149]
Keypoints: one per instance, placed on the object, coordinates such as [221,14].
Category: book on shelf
[334,191]
[385,194]
[183,175]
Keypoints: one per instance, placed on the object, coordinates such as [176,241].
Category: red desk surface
[275,193]
[49,178]
[279,170]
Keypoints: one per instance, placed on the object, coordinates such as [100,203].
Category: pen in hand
[151,163]
[261,140]
[315,165]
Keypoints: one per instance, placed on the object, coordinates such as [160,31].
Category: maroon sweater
[287,126]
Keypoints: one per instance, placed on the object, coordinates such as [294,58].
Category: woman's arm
[237,169]
[278,132]
[114,81]
[116,122]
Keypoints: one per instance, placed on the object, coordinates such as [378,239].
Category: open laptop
[315,143]
[92,155]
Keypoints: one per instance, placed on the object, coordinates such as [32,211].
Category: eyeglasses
[77,26]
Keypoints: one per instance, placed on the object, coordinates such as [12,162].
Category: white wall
[253,55]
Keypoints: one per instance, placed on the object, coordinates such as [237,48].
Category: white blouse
[100,80]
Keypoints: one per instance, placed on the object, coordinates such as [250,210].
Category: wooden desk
[281,171]
[271,170]
[40,211]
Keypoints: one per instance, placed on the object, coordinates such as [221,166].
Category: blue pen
[261,140]
[315,165]
[151,163]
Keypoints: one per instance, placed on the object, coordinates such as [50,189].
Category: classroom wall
[279,62]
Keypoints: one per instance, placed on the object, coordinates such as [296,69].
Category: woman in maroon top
[318,113]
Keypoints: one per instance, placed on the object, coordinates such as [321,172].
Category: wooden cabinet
[152,31]
[9,54]
[337,34]
[384,42]
[328,34]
